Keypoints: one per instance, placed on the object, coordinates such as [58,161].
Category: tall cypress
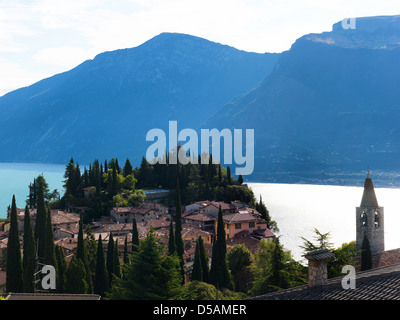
[219,274]
[366,255]
[110,259]
[40,226]
[14,278]
[197,271]
[171,239]
[29,262]
[135,235]
[101,283]
[61,269]
[178,228]
[126,256]
[49,249]
[204,260]
[117,265]
[81,253]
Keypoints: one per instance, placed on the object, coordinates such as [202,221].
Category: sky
[40,38]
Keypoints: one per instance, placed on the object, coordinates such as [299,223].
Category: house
[126,214]
[213,208]
[204,221]
[242,224]
[197,205]
[161,208]
[59,219]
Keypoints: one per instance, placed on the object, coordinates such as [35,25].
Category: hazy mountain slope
[330,106]
[104,107]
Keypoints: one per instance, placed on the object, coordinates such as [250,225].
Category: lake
[298,209]
[16,177]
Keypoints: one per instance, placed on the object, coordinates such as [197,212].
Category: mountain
[104,107]
[330,108]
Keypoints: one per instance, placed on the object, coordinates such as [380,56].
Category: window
[363,219]
[377,218]
[238,226]
[251,224]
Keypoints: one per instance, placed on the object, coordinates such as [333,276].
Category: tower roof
[369,197]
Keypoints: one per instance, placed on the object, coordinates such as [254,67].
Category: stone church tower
[369,219]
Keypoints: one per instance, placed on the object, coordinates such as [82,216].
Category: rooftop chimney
[317,267]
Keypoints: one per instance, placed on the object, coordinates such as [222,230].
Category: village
[243,225]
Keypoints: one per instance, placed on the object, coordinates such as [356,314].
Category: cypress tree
[76,277]
[80,249]
[228,175]
[126,257]
[197,271]
[29,253]
[40,226]
[101,284]
[127,168]
[171,239]
[178,228]
[49,249]
[117,265]
[61,269]
[135,235]
[110,259]
[366,255]
[82,254]
[14,278]
[219,274]
[204,260]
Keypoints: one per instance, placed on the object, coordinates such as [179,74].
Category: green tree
[117,265]
[219,273]
[110,258]
[240,261]
[76,277]
[101,283]
[204,260]
[14,277]
[40,225]
[82,254]
[126,256]
[275,269]
[171,239]
[344,255]
[178,228]
[162,280]
[197,271]
[366,255]
[49,249]
[135,235]
[61,269]
[322,240]
[128,170]
[29,262]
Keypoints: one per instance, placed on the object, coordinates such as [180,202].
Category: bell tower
[370,219]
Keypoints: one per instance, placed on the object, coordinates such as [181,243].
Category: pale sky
[40,38]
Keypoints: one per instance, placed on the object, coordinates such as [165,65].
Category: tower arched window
[377,219]
[363,218]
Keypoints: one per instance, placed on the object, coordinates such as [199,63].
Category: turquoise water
[16,177]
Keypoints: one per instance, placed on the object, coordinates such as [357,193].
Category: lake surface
[16,177]
[298,209]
